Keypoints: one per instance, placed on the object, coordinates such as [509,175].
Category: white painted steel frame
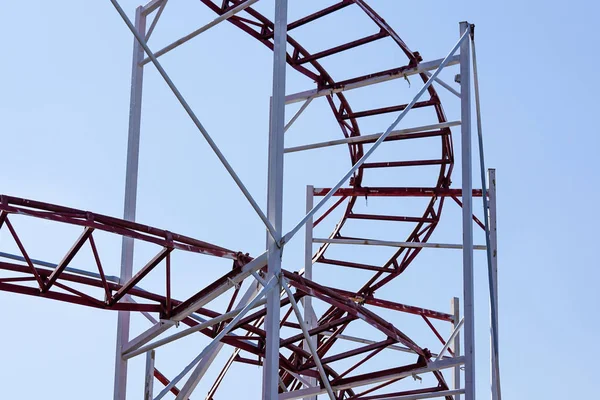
[413,245]
[310,318]
[273,217]
[495,362]
[467,213]
[375,136]
[275,200]
[131,181]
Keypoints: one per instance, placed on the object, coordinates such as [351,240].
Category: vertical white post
[149,383]
[495,375]
[455,311]
[467,214]
[131,178]
[309,314]
[275,201]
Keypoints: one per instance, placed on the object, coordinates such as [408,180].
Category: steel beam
[309,314]
[422,67]
[408,132]
[313,349]
[149,381]
[495,367]
[131,181]
[455,310]
[467,213]
[275,200]
[415,245]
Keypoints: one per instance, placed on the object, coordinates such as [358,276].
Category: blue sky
[63,118]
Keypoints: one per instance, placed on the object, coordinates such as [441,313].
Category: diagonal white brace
[309,342]
[147,336]
[253,266]
[450,339]
[192,381]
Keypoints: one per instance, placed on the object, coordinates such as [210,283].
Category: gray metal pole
[149,383]
[309,314]
[131,180]
[495,373]
[275,201]
[455,310]
[467,214]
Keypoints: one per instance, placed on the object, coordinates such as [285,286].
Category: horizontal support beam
[395,218]
[373,137]
[433,366]
[431,395]
[414,245]
[400,73]
[395,192]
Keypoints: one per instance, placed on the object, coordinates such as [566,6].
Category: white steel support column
[467,214]
[309,314]
[495,375]
[455,311]
[275,201]
[131,180]
[149,383]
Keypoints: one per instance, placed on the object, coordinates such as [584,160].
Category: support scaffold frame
[253,322]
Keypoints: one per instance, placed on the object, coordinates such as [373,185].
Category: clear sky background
[63,122]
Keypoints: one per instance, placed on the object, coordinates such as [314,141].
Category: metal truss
[304,354]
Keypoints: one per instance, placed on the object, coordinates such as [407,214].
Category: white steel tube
[275,201]
[445,85]
[192,329]
[375,136]
[455,310]
[417,245]
[311,346]
[450,340]
[309,314]
[129,209]
[495,368]
[149,382]
[298,113]
[422,67]
[467,214]
[375,145]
